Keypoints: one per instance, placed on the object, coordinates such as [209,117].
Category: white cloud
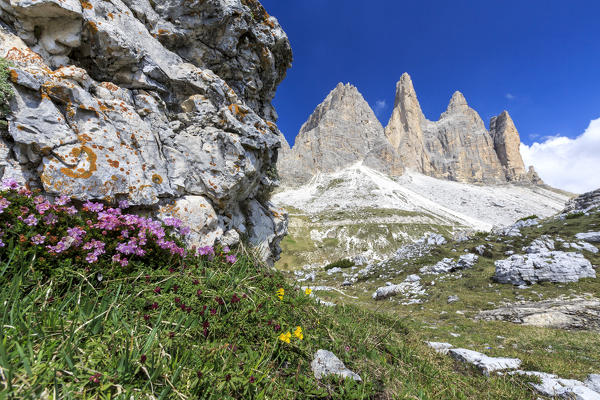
[565,163]
[509,96]
[380,105]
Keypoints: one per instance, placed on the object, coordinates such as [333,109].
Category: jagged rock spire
[342,130]
[507,143]
[404,129]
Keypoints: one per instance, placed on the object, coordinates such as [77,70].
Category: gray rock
[453,299]
[550,266]
[577,313]
[593,382]
[440,347]
[581,246]
[593,237]
[449,265]
[584,203]
[326,363]
[342,131]
[553,386]
[484,363]
[176,118]
[408,288]
[480,249]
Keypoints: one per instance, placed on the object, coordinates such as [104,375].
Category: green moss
[6,92]
[343,263]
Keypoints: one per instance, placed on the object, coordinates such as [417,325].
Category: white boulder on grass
[326,363]
[484,363]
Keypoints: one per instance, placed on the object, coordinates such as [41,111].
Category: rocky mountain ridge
[164,104]
[456,147]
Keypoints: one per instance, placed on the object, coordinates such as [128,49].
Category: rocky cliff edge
[164,104]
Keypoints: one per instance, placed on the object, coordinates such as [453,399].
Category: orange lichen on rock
[80,172]
[157,179]
[86,5]
[239,112]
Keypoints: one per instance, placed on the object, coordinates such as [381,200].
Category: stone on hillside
[578,313]
[326,363]
[440,347]
[550,266]
[586,202]
[593,237]
[480,249]
[553,386]
[581,246]
[593,382]
[484,363]
[543,244]
[453,299]
[449,265]
[515,229]
[410,289]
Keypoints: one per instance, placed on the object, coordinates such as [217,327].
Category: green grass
[570,354]
[75,336]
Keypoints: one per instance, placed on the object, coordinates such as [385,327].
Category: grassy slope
[76,337]
[571,354]
[372,232]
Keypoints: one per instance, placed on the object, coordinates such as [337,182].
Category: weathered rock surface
[586,202]
[411,289]
[545,266]
[166,104]
[484,363]
[506,143]
[342,131]
[554,386]
[578,313]
[326,363]
[449,265]
[440,347]
[593,237]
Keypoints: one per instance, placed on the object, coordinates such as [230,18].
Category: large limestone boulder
[542,264]
[165,104]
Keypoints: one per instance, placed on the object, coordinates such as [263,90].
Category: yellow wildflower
[298,333]
[280,293]
[285,337]
[308,291]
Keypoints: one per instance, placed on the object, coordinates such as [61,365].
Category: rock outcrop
[564,313]
[343,130]
[456,147]
[587,202]
[166,104]
[506,143]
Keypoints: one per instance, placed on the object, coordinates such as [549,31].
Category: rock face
[166,104]
[587,202]
[342,130]
[506,143]
[578,313]
[543,264]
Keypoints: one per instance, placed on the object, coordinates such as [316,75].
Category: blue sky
[539,59]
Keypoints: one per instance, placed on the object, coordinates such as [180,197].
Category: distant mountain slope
[358,209]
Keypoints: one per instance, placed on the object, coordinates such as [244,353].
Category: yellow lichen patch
[110,86]
[239,112]
[157,179]
[272,126]
[80,172]
[14,76]
[86,5]
[113,163]
[92,26]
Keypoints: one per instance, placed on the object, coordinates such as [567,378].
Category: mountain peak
[457,102]
[507,145]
